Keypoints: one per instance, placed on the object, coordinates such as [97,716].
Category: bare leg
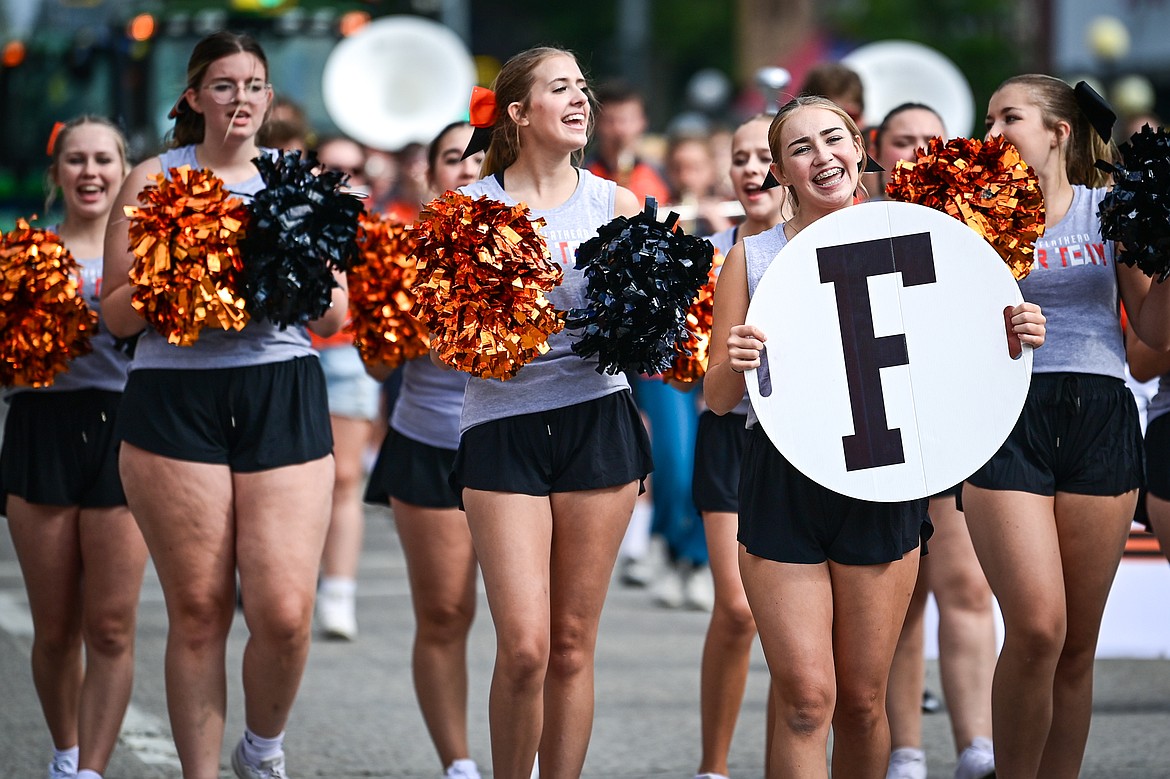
[1159,513]
[48,546]
[281,519]
[869,605]
[185,512]
[441,564]
[727,648]
[113,561]
[343,545]
[1015,537]
[587,531]
[793,607]
[966,631]
[1092,532]
[908,669]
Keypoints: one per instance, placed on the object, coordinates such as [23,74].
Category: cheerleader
[828,577]
[1049,514]
[79,550]
[225,452]
[549,462]
[411,476]
[966,629]
[715,486]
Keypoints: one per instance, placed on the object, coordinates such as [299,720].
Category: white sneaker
[668,590]
[907,763]
[699,592]
[711,776]
[462,769]
[272,768]
[336,614]
[62,768]
[976,761]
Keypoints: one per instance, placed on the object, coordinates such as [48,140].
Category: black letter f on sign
[848,268]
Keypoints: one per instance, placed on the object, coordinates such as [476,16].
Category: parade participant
[966,629]
[718,452]
[550,461]
[828,577]
[621,125]
[1049,514]
[225,452]
[354,401]
[411,476]
[80,552]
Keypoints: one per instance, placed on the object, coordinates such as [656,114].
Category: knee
[805,709]
[284,621]
[1039,638]
[57,639]
[196,620]
[968,592]
[732,619]
[860,709]
[570,653]
[523,661]
[445,623]
[110,635]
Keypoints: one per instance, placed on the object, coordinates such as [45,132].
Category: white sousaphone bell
[399,80]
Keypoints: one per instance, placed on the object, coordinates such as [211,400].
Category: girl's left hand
[1028,324]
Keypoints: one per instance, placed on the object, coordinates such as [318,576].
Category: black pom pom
[1136,213]
[302,227]
[641,278]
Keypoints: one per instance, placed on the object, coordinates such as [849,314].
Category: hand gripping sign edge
[887,373]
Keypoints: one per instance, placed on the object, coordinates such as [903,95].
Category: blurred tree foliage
[989,41]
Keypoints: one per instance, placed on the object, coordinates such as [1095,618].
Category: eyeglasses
[224,92]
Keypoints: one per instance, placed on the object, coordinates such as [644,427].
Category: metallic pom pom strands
[187,264]
[984,184]
[44,321]
[381,294]
[302,227]
[693,352]
[642,276]
[1136,213]
[483,271]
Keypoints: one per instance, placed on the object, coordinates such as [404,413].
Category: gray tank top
[759,251]
[258,343]
[558,378]
[105,367]
[1160,403]
[430,403]
[1074,281]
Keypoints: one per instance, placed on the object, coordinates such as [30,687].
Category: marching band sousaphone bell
[399,80]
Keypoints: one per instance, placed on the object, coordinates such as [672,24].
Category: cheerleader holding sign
[828,577]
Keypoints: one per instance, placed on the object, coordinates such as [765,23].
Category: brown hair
[513,84]
[812,101]
[1057,103]
[834,81]
[59,144]
[188,123]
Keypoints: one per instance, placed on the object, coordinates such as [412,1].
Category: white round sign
[889,372]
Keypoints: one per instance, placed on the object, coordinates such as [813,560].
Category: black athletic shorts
[1078,433]
[60,449]
[787,517]
[1157,448]
[412,472]
[718,454]
[586,446]
[253,418]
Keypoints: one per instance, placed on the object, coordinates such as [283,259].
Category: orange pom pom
[187,265]
[984,184]
[44,320]
[381,294]
[690,360]
[483,269]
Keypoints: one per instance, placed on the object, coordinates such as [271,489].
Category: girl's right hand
[744,343]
